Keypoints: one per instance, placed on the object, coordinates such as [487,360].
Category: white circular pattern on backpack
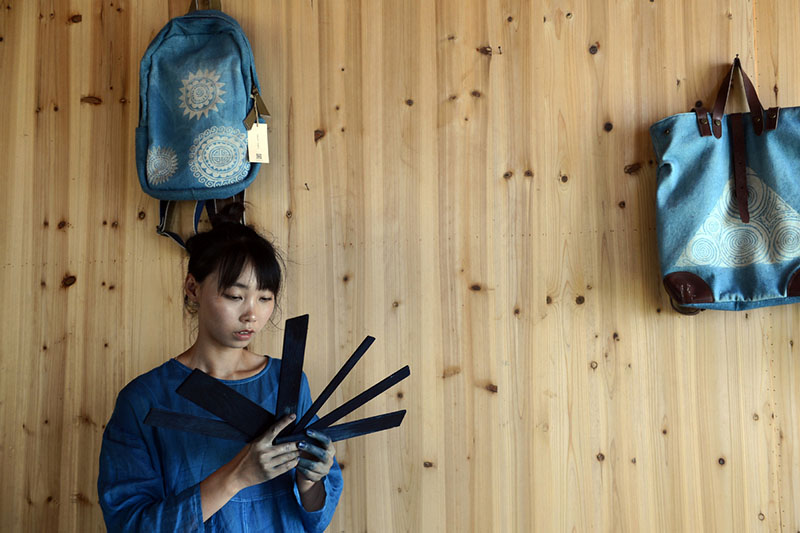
[162,162]
[218,156]
[201,93]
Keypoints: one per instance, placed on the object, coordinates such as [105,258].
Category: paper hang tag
[258,143]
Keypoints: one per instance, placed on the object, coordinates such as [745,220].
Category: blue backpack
[199,96]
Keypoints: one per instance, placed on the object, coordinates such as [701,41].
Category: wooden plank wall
[481,202]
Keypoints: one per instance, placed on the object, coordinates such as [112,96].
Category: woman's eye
[266,298]
[233,297]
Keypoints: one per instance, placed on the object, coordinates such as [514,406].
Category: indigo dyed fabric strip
[361,399]
[193,424]
[353,429]
[294,347]
[336,381]
[224,402]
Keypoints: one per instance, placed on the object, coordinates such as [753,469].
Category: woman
[154,479]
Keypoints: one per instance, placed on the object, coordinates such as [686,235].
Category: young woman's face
[231,318]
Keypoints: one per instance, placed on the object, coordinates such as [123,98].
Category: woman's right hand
[256,463]
[263,460]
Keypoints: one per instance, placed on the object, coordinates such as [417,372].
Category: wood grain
[480,200]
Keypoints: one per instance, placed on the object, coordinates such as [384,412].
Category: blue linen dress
[150,477]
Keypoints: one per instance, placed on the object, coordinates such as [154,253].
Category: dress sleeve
[131,485]
[317,521]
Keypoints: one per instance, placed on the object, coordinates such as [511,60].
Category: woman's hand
[256,463]
[314,464]
[317,458]
[264,461]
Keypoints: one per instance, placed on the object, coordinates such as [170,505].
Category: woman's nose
[249,314]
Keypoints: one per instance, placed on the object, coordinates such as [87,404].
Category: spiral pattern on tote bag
[723,240]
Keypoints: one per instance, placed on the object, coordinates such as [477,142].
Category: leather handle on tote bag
[756,109]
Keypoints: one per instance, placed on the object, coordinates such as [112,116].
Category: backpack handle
[212,4]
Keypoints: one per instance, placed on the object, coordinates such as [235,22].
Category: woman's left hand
[316,458]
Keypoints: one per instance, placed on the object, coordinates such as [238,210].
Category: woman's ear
[190,288]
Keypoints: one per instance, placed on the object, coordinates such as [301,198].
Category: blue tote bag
[728,204]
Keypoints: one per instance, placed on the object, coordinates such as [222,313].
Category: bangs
[238,255]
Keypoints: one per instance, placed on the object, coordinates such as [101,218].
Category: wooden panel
[471,182]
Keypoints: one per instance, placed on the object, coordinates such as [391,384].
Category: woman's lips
[243,335]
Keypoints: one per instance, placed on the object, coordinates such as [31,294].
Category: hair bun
[232,213]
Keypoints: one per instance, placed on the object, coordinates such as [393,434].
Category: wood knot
[409,102]
[450,371]
[485,50]
[475,287]
[141,215]
[428,464]
[601,457]
[76,18]
[593,365]
[93,100]
[529,173]
[318,134]
[68,281]
[476,94]
[621,204]
[548,300]
[564,179]
[507,175]
[81,498]
[579,300]
[491,387]
[608,126]
[721,461]
[594,48]
[632,168]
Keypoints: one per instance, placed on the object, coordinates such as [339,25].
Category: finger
[321,454]
[272,432]
[319,436]
[309,465]
[312,470]
[281,469]
[278,460]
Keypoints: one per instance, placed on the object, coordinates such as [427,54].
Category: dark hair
[228,247]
